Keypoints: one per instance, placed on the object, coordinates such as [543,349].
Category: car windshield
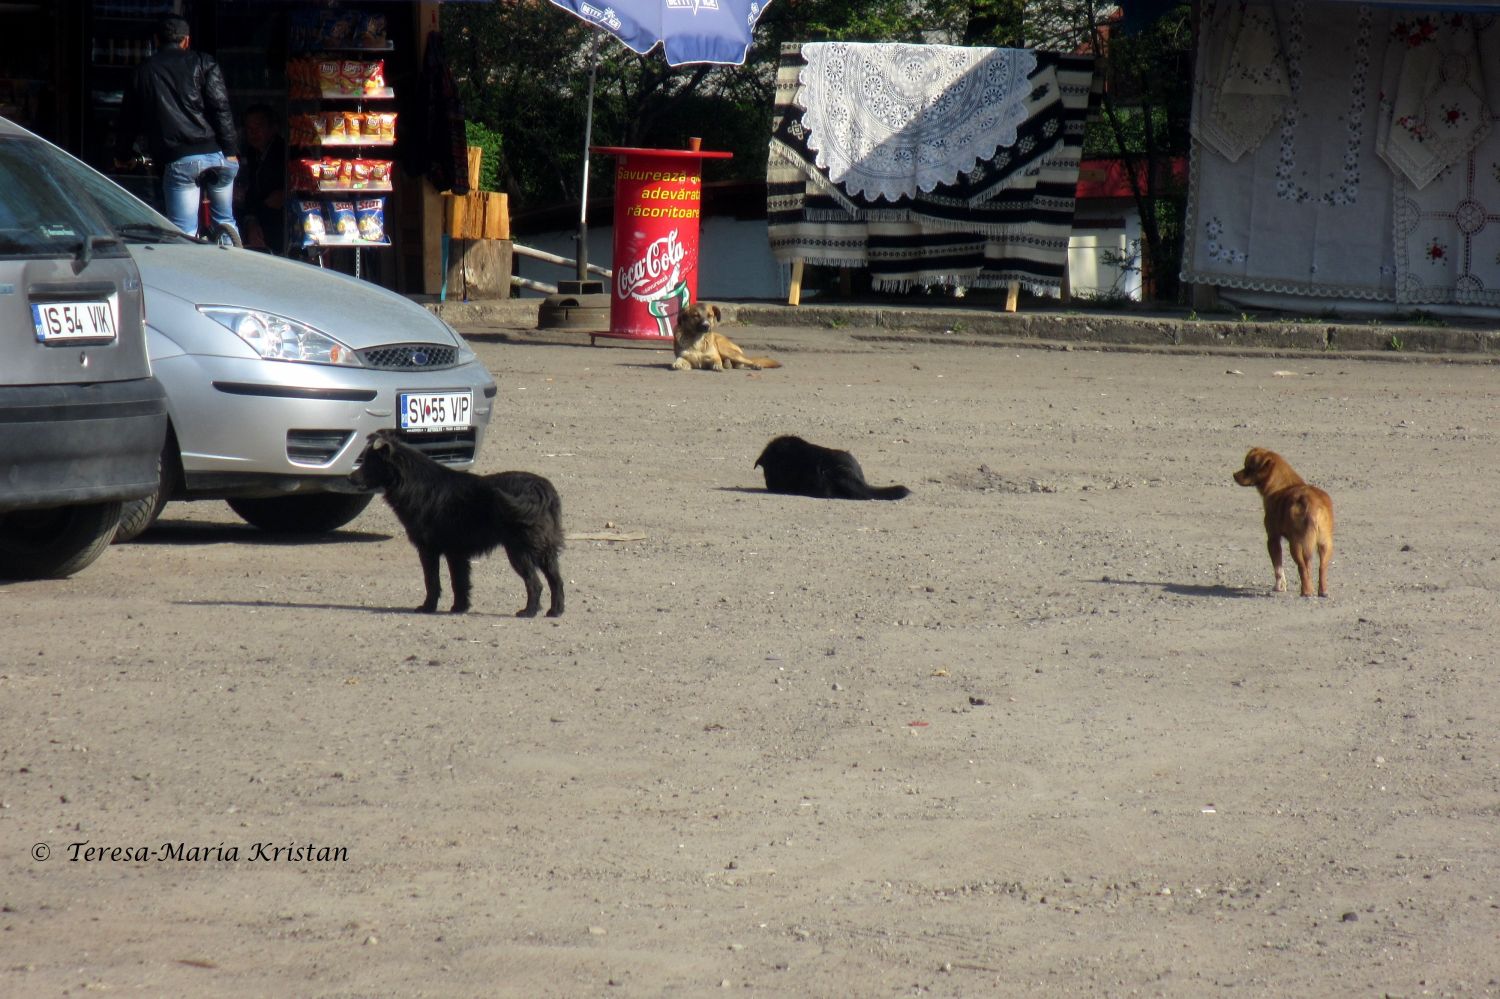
[41,211]
[128,216]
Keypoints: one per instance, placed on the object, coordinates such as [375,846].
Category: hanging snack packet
[370,213]
[345,226]
[329,81]
[310,221]
[372,76]
[307,175]
[372,31]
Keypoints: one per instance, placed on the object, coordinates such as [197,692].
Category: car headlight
[465,353]
[277,338]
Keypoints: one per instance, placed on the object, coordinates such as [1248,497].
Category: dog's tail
[763,362]
[855,487]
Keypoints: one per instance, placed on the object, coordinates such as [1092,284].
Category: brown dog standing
[1301,513]
[697,345]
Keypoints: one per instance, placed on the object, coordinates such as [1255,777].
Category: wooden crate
[478,214]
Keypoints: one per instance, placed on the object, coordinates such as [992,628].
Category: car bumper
[62,445]
[236,426]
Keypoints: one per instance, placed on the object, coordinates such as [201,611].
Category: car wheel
[137,516]
[310,514]
[56,542]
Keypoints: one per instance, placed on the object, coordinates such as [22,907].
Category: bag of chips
[372,31]
[330,77]
[345,226]
[310,221]
[370,213]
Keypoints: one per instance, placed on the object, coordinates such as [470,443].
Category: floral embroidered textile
[1434,81]
[1247,88]
[1448,233]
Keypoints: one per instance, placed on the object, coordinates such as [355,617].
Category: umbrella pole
[588,138]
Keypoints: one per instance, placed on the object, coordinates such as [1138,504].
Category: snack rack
[342,119]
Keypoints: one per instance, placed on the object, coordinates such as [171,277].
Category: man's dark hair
[172,29]
[264,110]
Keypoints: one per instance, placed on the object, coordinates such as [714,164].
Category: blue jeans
[180,193]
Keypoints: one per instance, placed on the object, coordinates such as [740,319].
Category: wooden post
[431,205]
[1012,296]
[476,157]
[795,297]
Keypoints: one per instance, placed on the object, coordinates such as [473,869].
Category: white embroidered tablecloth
[1434,83]
[1007,219]
[1246,88]
[1448,232]
[1308,212]
[1383,180]
[889,120]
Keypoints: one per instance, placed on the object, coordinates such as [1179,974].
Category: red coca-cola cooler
[658,202]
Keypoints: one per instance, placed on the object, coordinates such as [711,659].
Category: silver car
[81,418]
[276,371]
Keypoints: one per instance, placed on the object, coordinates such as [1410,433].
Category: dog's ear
[379,442]
[713,310]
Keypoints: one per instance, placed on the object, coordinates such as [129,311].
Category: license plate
[423,411]
[71,322]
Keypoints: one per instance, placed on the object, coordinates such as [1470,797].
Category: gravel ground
[1039,729]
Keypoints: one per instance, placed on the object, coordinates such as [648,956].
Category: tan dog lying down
[697,345]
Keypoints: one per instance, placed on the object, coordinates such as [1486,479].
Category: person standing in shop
[260,191]
[178,100]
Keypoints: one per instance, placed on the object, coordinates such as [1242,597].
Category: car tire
[314,513]
[137,516]
[55,543]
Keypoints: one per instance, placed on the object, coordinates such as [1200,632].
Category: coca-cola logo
[654,273]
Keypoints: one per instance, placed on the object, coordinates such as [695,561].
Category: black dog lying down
[450,513]
[792,465]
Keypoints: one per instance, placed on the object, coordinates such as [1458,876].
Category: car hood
[357,313]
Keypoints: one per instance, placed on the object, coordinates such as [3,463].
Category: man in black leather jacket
[179,100]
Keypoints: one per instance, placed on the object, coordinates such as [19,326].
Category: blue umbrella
[716,31]
[689,31]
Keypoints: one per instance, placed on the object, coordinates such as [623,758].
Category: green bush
[478,135]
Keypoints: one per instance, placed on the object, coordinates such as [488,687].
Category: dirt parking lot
[1039,729]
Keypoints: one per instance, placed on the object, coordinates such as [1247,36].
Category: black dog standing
[457,515]
[792,465]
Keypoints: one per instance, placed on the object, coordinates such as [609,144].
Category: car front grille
[409,357]
[449,446]
[315,447]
